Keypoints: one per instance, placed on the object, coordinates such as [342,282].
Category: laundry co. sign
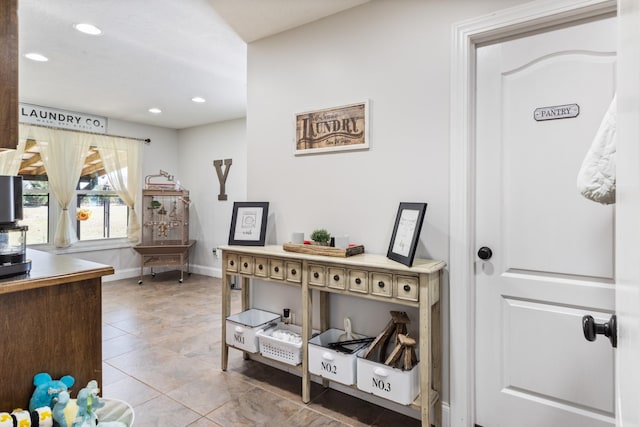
[44,116]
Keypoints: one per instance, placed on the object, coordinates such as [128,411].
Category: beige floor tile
[131,391]
[204,422]
[257,407]
[210,392]
[111,374]
[161,349]
[312,419]
[163,412]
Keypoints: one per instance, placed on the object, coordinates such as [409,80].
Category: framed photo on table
[406,232]
[249,223]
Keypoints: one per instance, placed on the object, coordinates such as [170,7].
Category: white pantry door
[552,250]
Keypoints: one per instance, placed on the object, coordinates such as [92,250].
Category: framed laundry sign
[333,129]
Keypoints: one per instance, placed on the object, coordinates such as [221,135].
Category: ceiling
[151,53]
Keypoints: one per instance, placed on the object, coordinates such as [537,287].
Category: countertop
[52,270]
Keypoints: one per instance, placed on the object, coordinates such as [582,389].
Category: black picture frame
[406,232]
[248,223]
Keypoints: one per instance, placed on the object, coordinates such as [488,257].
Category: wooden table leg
[246,303]
[436,347]
[307,308]
[226,312]
[425,350]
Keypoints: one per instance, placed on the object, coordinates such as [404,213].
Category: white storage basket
[242,328]
[289,352]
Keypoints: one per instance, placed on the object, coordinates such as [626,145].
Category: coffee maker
[13,237]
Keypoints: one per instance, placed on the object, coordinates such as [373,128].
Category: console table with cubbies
[367,276]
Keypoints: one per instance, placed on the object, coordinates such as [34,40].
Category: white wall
[397,55]
[209,217]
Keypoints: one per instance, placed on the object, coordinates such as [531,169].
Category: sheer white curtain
[10,159]
[121,160]
[63,154]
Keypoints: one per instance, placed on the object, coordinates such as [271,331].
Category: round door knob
[231,263]
[336,277]
[293,271]
[485,253]
[245,265]
[608,329]
[276,269]
[358,281]
[381,284]
[259,266]
[406,288]
[316,275]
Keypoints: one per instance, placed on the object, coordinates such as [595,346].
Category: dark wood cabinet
[8,74]
[50,321]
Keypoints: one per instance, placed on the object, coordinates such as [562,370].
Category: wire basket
[273,347]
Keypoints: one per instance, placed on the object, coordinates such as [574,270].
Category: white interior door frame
[534,16]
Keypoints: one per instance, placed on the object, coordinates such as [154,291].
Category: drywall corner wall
[397,55]
[210,218]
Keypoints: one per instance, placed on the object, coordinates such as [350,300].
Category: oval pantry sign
[567,111]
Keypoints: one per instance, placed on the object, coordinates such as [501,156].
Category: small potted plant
[321,237]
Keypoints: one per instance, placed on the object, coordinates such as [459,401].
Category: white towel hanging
[597,176]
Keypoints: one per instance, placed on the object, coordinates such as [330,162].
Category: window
[35,199]
[100,212]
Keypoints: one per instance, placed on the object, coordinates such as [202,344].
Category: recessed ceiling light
[88,29]
[36,57]
[155,110]
[197,99]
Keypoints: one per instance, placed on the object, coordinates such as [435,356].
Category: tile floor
[161,353]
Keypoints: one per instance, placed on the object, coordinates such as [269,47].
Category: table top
[50,270]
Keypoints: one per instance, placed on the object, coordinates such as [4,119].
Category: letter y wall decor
[222,177]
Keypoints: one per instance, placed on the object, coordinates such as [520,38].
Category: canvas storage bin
[242,328]
[332,364]
[391,383]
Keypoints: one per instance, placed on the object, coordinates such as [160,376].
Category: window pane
[118,218]
[36,217]
[101,216]
[35,201]
[93,210]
